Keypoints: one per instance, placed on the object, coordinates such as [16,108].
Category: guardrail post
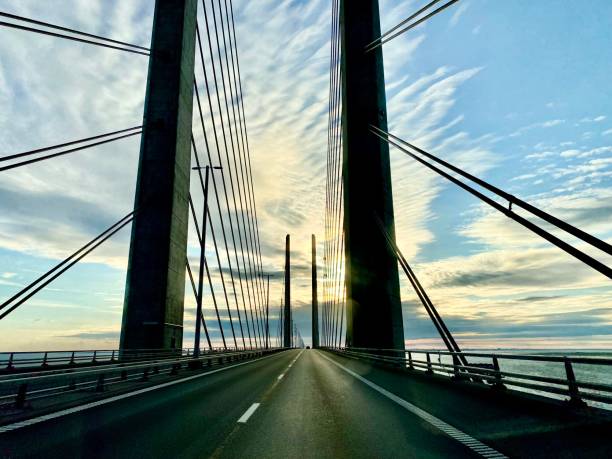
[410,361]
[100,383]
[44,363]
[93,360]
[145,374]
[572,385]
[113,356]
[175,368]
[21,395]
[71,359]
[498,377]
[456,365]
[10,362]
[429,369]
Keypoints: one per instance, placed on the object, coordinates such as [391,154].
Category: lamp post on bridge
[196,345]
[268,312]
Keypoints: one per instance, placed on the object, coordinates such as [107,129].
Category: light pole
[268,313]
[196,345]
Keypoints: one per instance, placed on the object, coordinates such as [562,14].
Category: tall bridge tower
[155,285]
[374,313]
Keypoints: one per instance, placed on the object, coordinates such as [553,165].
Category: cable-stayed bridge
[247,386]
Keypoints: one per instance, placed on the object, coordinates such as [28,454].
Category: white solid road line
[87,406]
[463,438]
[248,413]
[280,376]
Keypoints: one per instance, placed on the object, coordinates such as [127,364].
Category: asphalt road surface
[296,403]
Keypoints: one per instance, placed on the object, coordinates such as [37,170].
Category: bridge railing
[575,378]
[18,387]
[28,360]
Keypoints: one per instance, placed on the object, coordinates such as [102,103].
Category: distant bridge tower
[288,329]
[155,285]
[374,313]
[315,302]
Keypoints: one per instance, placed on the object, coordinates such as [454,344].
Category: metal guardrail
[26,360]
[490,372]
[46,382]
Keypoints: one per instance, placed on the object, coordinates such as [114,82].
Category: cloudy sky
[514,91]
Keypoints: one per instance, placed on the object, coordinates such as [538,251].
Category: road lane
[317,410]
[188,420]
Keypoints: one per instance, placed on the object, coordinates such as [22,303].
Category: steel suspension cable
[584,236]
[381,41]
[215,136]
[435,317]
[245,154]
[67,29]
[258,268]
[214,238]
[576,253]
[126,46]
[195,293]
[257,297]
[214,182]
[224,138]
[61,153]
[337,204]
[44,280]
[212,231]
[243,126]
[330,142]
[66,144]
[212,291]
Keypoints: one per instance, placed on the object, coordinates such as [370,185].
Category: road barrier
[54,376]
[488,371]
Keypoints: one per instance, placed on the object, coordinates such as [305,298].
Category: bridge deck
[319,408]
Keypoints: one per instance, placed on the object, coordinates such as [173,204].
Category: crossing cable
[216,138]
[212,231]
[64,152]
[258,268]
[576,253]
[243,127]
[44,280]
[444,332]
[203,188]
[214,238]
[214,182]
[102,41]
[257,298]
[382,40]
[212,291]
[229,261]
[195,293]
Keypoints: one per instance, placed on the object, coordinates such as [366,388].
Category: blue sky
[516,92]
